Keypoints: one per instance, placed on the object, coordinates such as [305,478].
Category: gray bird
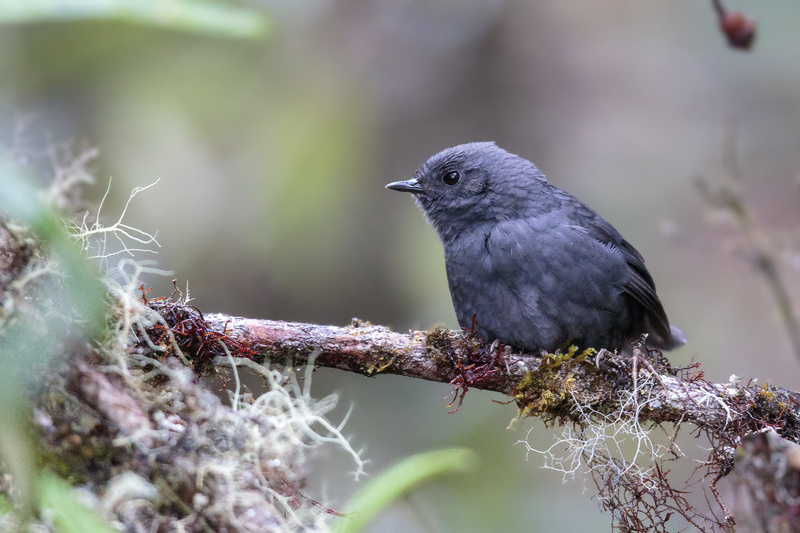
[529,264]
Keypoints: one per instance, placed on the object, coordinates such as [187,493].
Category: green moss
[375,369]
[766,392]
[548,390]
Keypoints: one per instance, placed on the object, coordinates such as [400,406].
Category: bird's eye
[451,178]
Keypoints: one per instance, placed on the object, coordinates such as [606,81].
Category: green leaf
[69,515]
[185,15]
[5,505]
[400,480]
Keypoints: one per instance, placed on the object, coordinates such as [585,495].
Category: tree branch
[548,386]
[368,350]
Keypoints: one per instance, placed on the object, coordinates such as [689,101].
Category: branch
[546,386]
[369,350]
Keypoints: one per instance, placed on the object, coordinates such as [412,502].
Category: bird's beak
[412,186]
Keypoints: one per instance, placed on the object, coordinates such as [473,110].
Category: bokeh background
[272,154]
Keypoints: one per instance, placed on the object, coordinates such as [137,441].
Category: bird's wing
[639,285]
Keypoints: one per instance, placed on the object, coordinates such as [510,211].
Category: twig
[728,197]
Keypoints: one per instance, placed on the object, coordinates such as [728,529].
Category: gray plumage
[535,267]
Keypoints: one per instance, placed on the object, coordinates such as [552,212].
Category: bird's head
[474,183]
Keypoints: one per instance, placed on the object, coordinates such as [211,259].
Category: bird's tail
[676,340]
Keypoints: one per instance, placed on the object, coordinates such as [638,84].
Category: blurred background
[272,154]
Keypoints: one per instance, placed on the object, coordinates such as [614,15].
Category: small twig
[713,487]
[728,197]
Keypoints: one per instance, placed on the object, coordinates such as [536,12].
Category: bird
[529,265]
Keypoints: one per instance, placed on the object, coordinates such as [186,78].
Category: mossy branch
[546,386]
